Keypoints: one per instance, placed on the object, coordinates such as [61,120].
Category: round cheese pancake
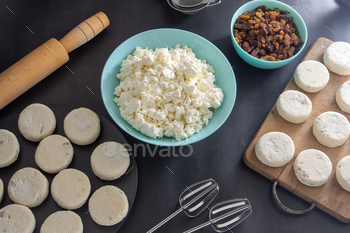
[342,97]
[16,218]
[82,126]
[311,76]
[70,188]
[275,149]
[294,106]
[108,205]
[54,153]
[110,160]
[62,222]
[337,58]
[312,167]
[331,129]
[1,190]
[343,173]
[9,148]
[28,186]
[36,122]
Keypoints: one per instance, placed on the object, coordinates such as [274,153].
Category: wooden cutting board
[329,197]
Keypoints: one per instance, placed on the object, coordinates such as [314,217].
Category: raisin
[255,52]
[268,58]
[246,46]
[291,51]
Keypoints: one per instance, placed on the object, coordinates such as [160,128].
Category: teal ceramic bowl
[161,38]
[251,6]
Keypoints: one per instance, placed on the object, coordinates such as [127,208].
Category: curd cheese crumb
[167,92]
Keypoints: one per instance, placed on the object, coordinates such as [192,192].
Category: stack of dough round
[110,160]
[16,218]
[36,122]
[28,186]
[311,76]
[337,58]
[343,173]
[275,149]
[108,205]
[294,106]
[9,148]
[70,188]
[331,129]
[1,190]
[312,167]
[342,97]
[62,222]
[82,126]
[54,153]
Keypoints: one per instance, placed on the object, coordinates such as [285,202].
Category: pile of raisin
[267,34]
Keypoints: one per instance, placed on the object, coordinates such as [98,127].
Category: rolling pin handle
[85,31]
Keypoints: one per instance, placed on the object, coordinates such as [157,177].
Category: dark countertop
[218,156]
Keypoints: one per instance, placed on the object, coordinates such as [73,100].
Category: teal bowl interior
[251,6]
[161,38]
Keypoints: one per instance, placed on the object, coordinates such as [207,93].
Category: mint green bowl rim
[267,64]
[128,46]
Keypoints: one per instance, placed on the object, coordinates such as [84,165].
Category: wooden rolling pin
[47,58]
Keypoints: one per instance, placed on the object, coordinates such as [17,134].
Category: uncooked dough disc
[331,129]
[54,153]
[294,106]
[16,219]
[311,76]
[62,222]
[28,186]
[36,122]
[9,148]
[312,167]
[70,188]
[108,205]
[1,190]
[337,58]
[342,97]
[275,149]
[82,126]
[343,173]
[110,160]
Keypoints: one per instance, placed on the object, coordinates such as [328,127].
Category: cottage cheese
[331,129]
[275,149]
[343,173]
[294,106]
[167,92]
[312,167]
[337,58]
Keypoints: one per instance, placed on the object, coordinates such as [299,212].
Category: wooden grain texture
[30,70]
[47,58]
[85,31]
[329,197]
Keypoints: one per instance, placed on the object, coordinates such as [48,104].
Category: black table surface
[27,24]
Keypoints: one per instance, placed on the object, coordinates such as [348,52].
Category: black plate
[81,161]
